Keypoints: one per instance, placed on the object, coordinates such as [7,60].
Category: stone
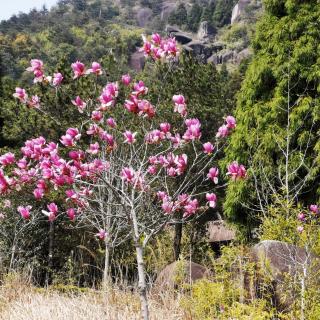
[143,16]
[205,30]
[238,10]
[179,272]
[182,37]
[137,60]
[227,56]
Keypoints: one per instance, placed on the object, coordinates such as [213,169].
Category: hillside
[94,30]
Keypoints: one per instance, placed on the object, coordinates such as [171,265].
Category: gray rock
[181,37]
[178,273]
[143,16]
[137,60]
[227,56]
[238,10]
[205,31]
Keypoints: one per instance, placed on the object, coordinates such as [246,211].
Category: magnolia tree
[117,171]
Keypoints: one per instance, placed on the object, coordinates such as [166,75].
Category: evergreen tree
[278,112]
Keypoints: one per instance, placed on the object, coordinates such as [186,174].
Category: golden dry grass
[19,300]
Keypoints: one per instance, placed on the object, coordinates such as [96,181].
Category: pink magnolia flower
[78,69]
[38,193]
[231,122]
[129,137]
[21,95]
[52,213]
[57,79]
[314,208]
[79,103]
[139,89]
[111,122]
[212,199]
[193,131]
[300,229]
[213,175]
[95,68]
[152,170]
[7,159]
[167,206]
[94,148]
[180,104]
[223,131]
[190,208]
[36,64]
[7,203]
[101,234]
[34,102]
[301,216]
[127,174]
[165,127]
[146,108]
[208,148]
[24,211]
[156,39]
[96,115]
[236,171]
[126,79]
[71,212]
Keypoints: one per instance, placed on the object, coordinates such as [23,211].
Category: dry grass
[19,300]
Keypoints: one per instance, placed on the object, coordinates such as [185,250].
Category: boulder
[182,37]
[245,53]
[178,273]
[143,16]
[227,56]
[238,10]
[283,264]
[206,30]
[137,60]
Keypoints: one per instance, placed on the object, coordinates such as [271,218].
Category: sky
[10,7]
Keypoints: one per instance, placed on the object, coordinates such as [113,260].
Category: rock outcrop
[206,31]
[238,10]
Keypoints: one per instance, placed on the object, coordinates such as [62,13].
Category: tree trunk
[142,285]
[106,281]
[177,241]
[50,254]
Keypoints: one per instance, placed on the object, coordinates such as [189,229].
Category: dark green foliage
[278,111]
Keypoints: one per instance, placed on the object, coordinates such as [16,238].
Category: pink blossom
[36,64]
[24,211]
[57,79]
[212,199]
[139,88]
[156,39]
[165,127]
[223,131]
[126,79]
[236,171]
[7,159]
[79,104]
[129,137]
[231,122]
[213,175]
[127,174]
[38,193]
[96,115]
[314,208]
[300,229]
[301,216]
[208,147]
[95,68]
[78,69]
[180,104]
[34,102]
[190,208]
[193,131]
[146,108]
[7,203]
[21,95]
[152,170]
[71,212]
[94,148]
[111,122]
[101,234]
